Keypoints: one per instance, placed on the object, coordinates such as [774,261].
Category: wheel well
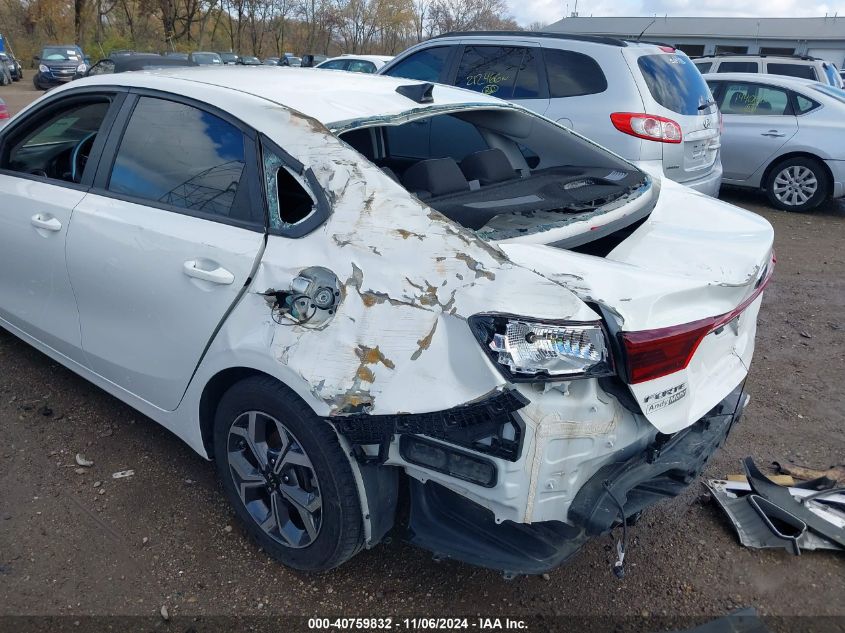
[214,390]
[780,159]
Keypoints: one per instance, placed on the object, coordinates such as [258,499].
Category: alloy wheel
[795,185]
[275,479]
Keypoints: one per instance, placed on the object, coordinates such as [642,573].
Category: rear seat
[488,167]
[434,177]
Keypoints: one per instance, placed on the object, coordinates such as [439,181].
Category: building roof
[667,27]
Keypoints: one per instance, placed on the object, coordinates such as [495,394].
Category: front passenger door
[44,173]
[163,245]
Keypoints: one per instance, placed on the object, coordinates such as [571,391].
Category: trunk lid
[693,259]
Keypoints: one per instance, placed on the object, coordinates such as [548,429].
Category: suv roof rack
[598,39]
[802,57]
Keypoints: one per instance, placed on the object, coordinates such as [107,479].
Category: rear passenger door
[512,71]
[758,120]
[162,246]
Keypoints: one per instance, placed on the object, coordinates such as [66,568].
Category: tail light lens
[655,353]
[4,112]
[648,126]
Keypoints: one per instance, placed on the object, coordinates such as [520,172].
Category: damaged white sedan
[340,288]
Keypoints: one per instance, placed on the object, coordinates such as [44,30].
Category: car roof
[347,96]
[783,81]
[597,39]
[378,58]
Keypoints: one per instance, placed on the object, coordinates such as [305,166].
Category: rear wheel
[797,184]
[286,476]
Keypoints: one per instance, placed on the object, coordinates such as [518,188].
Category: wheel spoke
[307,502]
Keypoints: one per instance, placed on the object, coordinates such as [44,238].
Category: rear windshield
[831,91]
[675,83]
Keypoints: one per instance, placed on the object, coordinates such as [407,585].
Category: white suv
[803,67]
[648,103]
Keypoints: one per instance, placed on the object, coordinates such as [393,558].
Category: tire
[797,184]
[303,483]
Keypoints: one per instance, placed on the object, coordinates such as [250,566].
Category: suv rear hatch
[673,89]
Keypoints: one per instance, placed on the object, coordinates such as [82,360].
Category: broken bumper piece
[669,465]
[452,526]
[487,426]
[766,515]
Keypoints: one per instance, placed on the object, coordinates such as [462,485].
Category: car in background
[356,63]
[19,67]
[177,55]
[529,356]
[6,70]
[801,66]
[271,61]
[58,65]
[12,66]
[782,135]
[230,59]
[204,58]
[137,61]
[122,53]
[646,102]
[290,60]
[249,60]
[309,61]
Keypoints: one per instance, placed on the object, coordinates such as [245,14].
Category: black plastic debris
[767,515]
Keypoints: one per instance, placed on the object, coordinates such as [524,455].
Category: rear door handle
[41,221]
[773,133]
[214,274]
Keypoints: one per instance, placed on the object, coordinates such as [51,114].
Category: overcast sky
[548,11]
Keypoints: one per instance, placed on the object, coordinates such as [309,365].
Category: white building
[817,37]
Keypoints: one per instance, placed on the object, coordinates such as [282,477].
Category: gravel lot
[77,542]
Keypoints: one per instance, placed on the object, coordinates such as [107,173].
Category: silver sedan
[782,135]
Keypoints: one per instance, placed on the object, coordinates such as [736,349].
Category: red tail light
[647,126]
[4,112]
[655,353]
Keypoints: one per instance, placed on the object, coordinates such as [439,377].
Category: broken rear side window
[288,200]
[503,173]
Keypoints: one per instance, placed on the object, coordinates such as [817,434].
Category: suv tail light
[4,112]
[655,353]
[648,126]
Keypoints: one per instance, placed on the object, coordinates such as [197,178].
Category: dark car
[202,58]
[58,65]
[271,61]
[18,67]
[249,60]
[138,61]
[15,73]
[230,58]
[309,61]
[175,55]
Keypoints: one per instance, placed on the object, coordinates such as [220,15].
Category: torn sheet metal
[763,523]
